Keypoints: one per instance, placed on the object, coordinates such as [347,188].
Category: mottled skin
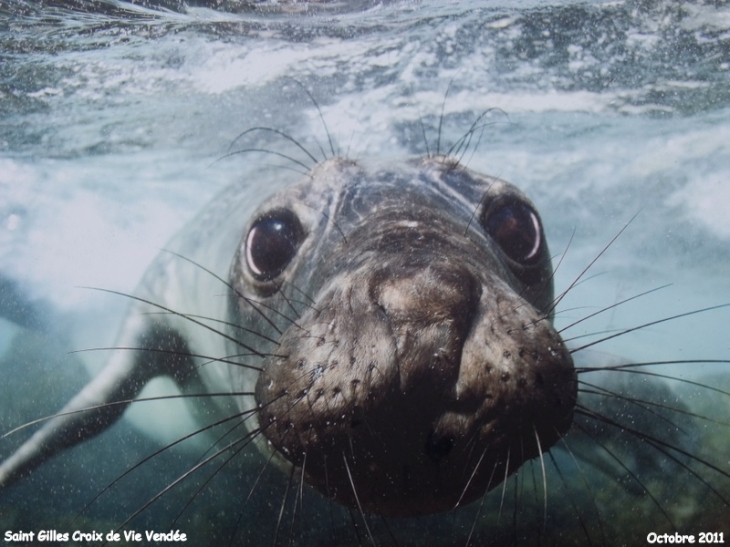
[403,355]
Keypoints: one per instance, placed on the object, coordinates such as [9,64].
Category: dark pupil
[270,246]
[516,229]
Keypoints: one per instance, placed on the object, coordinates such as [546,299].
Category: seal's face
[417,366]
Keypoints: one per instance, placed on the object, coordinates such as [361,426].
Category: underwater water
[116,126]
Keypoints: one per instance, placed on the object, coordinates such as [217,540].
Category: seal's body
[385,328]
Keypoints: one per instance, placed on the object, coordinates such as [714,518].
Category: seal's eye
[515,227]
[271,244]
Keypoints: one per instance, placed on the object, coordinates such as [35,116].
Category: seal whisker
[694,473]
[504,483]
[547,315]
[441,118]
[466,137]
[584,479]
[480,128]
[646,404]
[481,504]
[562,255]
[255,432]
[249,301]
[421,123]
[576,509]
[298,500]
[461,151]
[227,360]
[357,499]
[654,443]
[183,316]
[328,492]
[250,493]
[552,275]
[209,358]
[472,442]
[184,476]
[562,295]
[321,117]
[544,479]
[352,134]
[154,454]
[277,132]
[457,146]
[591,334]
[648,324]
[283,505]
[286,492]
[307,174]
[251,435]
[471,476]
[423,131]
[236,526]
[477,208]
[516,481]
[667,447]
[691,471]
[657,444]
[304,294]
[264,151]
[122,403]
[308,334]
[260,474]
[615,458]
[230,324]
[288,301]
[629,368]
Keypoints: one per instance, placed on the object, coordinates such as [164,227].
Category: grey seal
[385,328]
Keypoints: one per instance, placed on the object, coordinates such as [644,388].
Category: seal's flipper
[147,349]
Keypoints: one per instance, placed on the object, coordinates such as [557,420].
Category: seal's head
[417,365]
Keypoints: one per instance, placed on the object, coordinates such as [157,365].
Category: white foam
[83,223]
[706,200]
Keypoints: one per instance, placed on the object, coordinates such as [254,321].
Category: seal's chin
[411,394]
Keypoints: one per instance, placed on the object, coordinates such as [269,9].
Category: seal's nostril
[438,447]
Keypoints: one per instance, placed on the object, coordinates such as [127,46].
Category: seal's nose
[430,312]
[419,370]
